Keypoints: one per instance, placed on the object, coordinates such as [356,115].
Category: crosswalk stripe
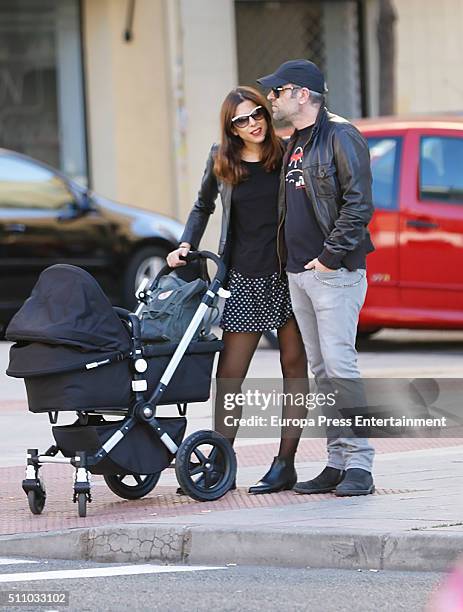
[6,561]
[100,572]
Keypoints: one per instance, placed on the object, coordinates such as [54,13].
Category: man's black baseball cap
[300,72]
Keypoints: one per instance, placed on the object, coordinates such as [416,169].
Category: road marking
[101,572]
[6,561]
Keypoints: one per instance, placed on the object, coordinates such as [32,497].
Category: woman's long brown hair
[227,166]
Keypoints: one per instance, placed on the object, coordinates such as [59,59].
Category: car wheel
[145,263]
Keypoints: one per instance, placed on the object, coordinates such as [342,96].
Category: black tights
[233,366]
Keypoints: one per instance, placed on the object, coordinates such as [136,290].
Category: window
[441,169]
[269,33]
[41,90]
[24,184]
[385,161]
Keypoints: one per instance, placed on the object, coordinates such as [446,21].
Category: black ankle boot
[280,477]
[325,482]
[356,482]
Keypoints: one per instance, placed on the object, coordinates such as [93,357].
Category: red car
[416,273]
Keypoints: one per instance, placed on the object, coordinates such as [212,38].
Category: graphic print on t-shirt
[294,171]
[303,236]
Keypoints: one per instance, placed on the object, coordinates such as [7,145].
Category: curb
[323,548]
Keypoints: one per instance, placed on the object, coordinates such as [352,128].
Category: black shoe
[325,482]
[280,477]
[180,491]
[356,482]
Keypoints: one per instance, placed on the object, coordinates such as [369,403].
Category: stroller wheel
[36,501]
[205,465]
[82,504]
[133,486]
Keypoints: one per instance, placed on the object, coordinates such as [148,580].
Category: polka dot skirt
[256,304]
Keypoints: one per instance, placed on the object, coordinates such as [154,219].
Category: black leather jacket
[337,176]
[204,206]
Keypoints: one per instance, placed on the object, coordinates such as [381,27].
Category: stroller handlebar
[195,255]
[143,291]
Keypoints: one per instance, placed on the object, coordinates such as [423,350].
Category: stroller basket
[138,453]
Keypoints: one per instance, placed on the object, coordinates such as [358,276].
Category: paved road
[185,588]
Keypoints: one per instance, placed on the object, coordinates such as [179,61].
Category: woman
[245,170]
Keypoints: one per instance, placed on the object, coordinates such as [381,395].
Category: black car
[46,218]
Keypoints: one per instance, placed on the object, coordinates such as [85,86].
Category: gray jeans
[327,307]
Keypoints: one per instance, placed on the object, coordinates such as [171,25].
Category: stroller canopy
[68,307]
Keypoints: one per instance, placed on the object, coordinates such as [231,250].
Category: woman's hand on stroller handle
[178,257]
[183,255]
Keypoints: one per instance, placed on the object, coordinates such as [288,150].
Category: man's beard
[280,115]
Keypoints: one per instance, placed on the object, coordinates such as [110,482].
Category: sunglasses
[242,121]
[277,90]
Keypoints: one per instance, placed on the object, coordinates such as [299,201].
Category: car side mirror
[85,202]
[70,211]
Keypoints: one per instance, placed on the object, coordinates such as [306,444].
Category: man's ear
[305,95]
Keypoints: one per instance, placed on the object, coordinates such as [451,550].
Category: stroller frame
[142,410]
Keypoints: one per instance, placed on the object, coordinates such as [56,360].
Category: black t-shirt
[303,236]
[254,222]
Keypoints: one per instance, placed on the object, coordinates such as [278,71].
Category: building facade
[125,94]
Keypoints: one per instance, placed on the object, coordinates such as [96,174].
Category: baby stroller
[78,353]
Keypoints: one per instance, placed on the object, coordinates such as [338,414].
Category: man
[325,205]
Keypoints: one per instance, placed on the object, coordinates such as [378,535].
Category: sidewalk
[414,521]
